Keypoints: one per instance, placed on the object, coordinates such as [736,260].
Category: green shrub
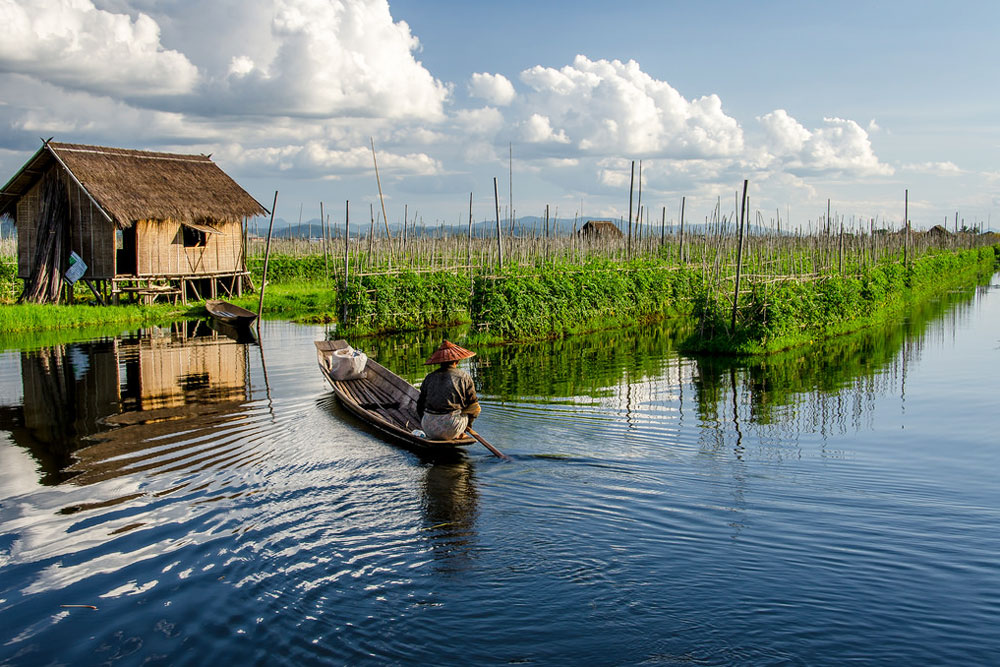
[788,313]
[403,301]
[10,285]
[524,303]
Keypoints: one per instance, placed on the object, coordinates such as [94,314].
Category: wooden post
[546,258]
[406,213]
[347,240]
[469,244]
[267,254]
[326,258]
[638,212]
[841,248]
[385,219]
[510,185]
[631,187]
[680,250]
[739,258]
[663,224]
[371,235]
[496,201]
[906,221]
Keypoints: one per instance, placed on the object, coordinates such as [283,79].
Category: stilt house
[601,229]
[143,223]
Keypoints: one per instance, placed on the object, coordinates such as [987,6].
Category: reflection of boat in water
[231,314]
[241,334]
[383,400]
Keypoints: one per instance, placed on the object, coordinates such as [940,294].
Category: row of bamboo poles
[772,250]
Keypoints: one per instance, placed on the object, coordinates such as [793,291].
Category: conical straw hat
[448,351]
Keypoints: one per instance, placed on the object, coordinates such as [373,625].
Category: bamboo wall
[160,250]
[91,235]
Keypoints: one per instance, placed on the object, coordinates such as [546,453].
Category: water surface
[214,503]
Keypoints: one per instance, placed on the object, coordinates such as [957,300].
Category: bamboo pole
[347,240]
[267,253]
[371,236]
[739,257]
[381,199]
[631,186]
[326,256]
[469,246]
[496,201]
[663,223]
[680,250]
[906,221]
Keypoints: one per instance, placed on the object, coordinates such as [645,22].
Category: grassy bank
[28,325]
[524,303]
[788,313]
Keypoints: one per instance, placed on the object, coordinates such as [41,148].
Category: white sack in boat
[348,364]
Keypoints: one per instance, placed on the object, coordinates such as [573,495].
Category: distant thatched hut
[598,229]
[142,222]
[939,231]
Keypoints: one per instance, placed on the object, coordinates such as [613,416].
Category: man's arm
[422,399]
[471,409]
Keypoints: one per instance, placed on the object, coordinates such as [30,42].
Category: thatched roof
[601,228]
[131,185]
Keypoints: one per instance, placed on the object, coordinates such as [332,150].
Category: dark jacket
[446,390]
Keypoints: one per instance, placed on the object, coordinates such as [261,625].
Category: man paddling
[448,403]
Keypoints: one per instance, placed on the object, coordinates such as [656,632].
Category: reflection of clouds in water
[18,471]
[131,588]
[37,627]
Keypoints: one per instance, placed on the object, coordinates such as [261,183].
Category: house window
[193,238]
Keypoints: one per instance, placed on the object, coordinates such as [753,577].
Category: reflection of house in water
[124,391]
[190,365]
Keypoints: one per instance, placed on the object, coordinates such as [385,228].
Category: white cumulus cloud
[73,44]
[839,145]
[941,168]
[319,159]
[336,57]
[538,129]
[614,108]
[485,121]
[493,88]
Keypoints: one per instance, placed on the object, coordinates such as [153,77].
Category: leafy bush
[787,313]
[288,268]
[403,301]
[524,303]
[10,286]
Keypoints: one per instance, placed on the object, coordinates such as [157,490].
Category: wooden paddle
[496,452]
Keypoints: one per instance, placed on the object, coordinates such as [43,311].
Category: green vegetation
[284,269]
[787,313]
[775,382]
[403,301]
[796,289]
[10,286]
[19,323]
[558,300]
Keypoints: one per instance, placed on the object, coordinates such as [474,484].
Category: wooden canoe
[383,400]
[231,314]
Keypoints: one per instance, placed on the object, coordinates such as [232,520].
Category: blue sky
[852,101]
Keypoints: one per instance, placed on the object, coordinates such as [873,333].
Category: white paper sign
[77,267]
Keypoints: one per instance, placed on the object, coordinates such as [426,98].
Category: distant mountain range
[524,226]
